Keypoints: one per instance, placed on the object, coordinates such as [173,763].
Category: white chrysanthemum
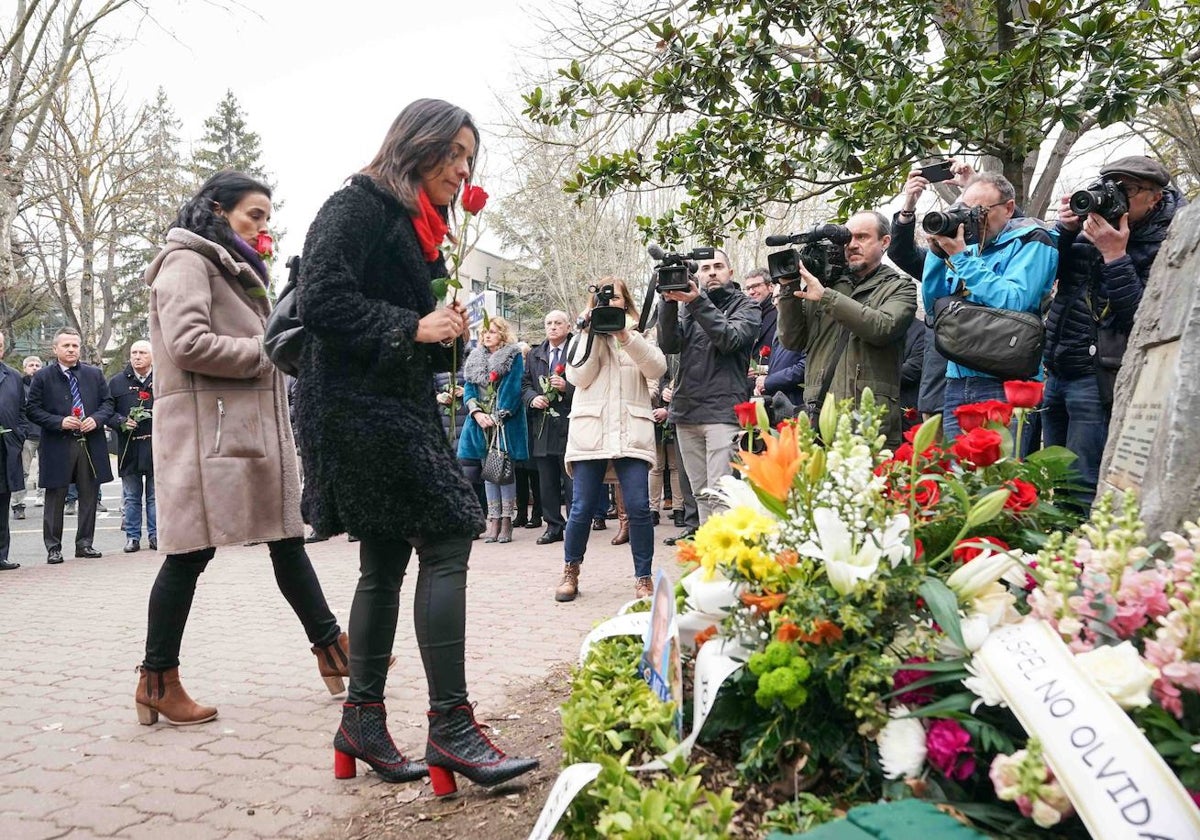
[902,746]
[984,688]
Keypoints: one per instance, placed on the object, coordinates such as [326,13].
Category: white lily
[894,543]
[971,579]
[714,596]
[736,492]
[845,565]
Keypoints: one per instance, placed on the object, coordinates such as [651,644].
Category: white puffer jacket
[610,413]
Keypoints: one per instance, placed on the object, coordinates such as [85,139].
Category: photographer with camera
[989,256]
[851,324]
[611,420]
[713,332]
[1108,237]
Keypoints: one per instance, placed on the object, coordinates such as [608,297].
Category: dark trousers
[555,486]
[527,486]
[52,514]
[5,534]
[439,617]
[175,586]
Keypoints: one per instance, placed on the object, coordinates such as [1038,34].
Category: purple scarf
[252,257]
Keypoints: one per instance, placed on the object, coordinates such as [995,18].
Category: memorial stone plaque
[1153,446]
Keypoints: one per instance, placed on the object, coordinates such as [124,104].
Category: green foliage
[669,806]
[612,711]
[228,143]
[802,814]
[752,102]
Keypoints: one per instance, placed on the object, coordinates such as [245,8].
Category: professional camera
[674,271]
[938,223]
[1106,198]
[823,253]
[604,317]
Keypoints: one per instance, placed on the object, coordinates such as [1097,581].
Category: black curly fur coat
[376,460]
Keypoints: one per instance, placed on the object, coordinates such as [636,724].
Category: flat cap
[1138,166]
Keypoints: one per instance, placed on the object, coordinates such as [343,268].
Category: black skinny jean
[439,617]
[171,599]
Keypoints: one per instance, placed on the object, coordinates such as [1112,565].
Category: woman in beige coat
[611,421]
[224,456]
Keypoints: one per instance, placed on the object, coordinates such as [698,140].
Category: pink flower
[949,749]
[907,676]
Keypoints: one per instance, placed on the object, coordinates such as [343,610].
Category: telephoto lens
[1107,198]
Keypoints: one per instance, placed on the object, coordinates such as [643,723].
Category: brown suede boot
[161,693]
[622,536]
[333,662]
[569,587]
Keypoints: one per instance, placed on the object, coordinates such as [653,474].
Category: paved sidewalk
[75,763]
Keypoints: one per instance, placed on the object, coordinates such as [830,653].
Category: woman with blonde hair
[492,391]
[611,420]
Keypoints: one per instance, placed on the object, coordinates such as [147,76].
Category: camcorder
[947,222]
[823,254]
[604,318]
[1106,198]
[674,271]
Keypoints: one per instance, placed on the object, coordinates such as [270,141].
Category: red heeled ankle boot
[457,744]
[363,735]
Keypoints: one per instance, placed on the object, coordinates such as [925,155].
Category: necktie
[554,360]
[76,397]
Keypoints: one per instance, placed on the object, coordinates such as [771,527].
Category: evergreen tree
[228,143]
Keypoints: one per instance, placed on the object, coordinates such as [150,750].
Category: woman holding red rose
[377,463]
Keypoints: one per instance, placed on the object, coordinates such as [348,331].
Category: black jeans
[439,617]
[171,599]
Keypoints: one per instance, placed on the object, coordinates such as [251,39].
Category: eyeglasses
[988,207]
[752,286]
[1133,189]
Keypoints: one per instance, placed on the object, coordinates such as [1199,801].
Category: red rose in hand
[747,414]
[493,377]
[980,447]
[143,395]
[910,414]
[1024,495]
[1024,394]
[559,370]
[76,412]
[473,199]
[966,553]
[264,245]
[764,351]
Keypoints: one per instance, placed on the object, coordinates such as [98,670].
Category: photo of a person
[660,665]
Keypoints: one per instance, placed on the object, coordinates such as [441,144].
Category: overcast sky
[321,81]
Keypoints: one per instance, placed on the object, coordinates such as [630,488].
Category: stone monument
[1153,446]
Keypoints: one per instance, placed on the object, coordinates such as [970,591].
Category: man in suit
[548,432]
[131,389]
[71,402]
[12,441]
[33,433]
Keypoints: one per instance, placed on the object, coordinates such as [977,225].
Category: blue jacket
[785,375]
[1015,271]
[507,362]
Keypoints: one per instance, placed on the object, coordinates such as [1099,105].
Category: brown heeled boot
[333,662]
[161,693]
[622,536]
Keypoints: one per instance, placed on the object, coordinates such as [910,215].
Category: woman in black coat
[376,461]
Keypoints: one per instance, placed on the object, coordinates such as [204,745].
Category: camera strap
[649,303]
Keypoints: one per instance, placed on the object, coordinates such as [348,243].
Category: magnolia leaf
[943,604]
[439,287]
[454,283]
[487,322]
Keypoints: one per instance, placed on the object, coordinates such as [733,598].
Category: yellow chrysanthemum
[731,539]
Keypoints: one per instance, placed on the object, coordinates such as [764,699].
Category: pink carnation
[949,749]
[906,676]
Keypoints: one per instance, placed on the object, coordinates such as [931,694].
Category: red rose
[1024,495]
[264,245]
[910,414]
[927,494]
[473,199]
[977,415]
[904,453]
[747,414]
[559,370]
[980,447]
[1024,394]
[998,411]
[918,549]
[143,395]
[764,351]
[493,377]
[76,412]
[966,553]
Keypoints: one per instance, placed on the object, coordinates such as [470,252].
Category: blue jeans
[634,477]
[132,489]
[1076,418]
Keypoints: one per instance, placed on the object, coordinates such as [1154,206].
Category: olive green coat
[877,311]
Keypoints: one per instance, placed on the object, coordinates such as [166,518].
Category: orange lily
[685,552]
[704,635]
[766,602]
[787,557]
[774,471]
[823,631]
[788,632]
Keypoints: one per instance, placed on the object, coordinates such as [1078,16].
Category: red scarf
[430,226]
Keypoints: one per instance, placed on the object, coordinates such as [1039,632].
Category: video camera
[823,253]
[674,271]
[1105,197]
[947,223]
[604,318]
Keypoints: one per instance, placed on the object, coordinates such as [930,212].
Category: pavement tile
[100,820]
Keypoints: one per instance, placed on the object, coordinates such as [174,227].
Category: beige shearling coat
[224,457]
[610,412]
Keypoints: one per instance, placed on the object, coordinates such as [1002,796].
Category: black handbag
[1002,343]
[283,338]
[498,467]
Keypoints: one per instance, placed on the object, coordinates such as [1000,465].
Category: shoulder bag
[283,338]
[498,467]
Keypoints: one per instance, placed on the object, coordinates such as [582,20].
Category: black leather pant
[175,586]
[439,617]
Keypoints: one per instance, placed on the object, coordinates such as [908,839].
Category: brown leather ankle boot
[622,536]
[161,693]
[568,588]
[333,662]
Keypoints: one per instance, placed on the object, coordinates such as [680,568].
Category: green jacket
[877,311]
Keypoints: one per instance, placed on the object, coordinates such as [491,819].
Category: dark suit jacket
[12,417]
[136,456]
[49,403]
[550,439]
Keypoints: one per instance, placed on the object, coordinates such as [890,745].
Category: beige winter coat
[224,458]
[610,413]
